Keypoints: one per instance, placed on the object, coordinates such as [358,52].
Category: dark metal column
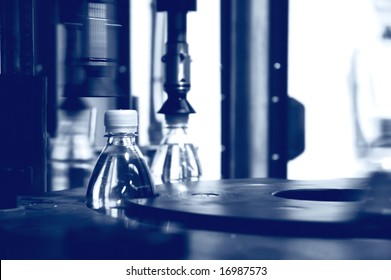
[245,27]
[23,94]
[254,85]
[278,89]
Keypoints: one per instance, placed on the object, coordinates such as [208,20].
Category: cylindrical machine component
[176,160]
[24,99]
[245,88]
[92,50]
[177,59]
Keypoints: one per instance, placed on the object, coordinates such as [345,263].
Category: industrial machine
[252,212]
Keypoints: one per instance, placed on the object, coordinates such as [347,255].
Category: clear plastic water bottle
[176,159]
[121,172]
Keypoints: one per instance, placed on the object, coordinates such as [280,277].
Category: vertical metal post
[245,88]
[124,73]
[225,50]
[254,85]
[278,89]
[23,92]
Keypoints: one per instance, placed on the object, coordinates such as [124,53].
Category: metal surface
[92,49]
[58,225]
[257,133]
[177,59]
[265,206]
[245,29]
[278,114]
[23,120]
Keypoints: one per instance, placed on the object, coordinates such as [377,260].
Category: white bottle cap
[121,121]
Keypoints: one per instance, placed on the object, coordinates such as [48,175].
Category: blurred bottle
[372,103]
[379,153]
[76,132]
[176,159]
[121,172]
[371,92]
[73,149]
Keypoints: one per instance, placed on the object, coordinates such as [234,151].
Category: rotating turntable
[267,206]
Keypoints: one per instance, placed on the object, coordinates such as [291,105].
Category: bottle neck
[121,138]
[176,126]
[176,129]
[176,135]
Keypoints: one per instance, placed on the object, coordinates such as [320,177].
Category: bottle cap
[121,121]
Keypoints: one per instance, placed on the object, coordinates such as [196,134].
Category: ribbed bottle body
[120,173]
[177,159]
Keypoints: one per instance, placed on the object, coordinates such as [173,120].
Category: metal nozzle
[177,59]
